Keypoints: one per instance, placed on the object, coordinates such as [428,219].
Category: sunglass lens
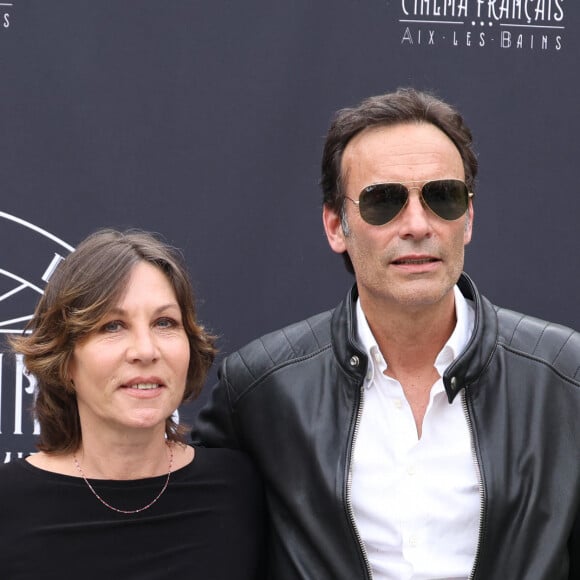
[446,197]
[380,203]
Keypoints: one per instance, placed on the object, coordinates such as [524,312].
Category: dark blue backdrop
[204,120]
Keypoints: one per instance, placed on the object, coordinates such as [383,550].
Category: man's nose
[415,217]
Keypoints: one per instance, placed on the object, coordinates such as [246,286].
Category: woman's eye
[166,322]
[112,326]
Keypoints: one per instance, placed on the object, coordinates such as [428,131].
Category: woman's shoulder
[23,472]
[229,463]
[223,456]
[17,478]
[15,469]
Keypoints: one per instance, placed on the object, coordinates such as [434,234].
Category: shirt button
[411,470]
[377,357]
[398,403]
[413,540]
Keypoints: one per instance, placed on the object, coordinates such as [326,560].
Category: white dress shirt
[416,501]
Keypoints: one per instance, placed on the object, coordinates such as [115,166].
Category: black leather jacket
[292,400]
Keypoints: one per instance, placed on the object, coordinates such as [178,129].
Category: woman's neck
[123,459]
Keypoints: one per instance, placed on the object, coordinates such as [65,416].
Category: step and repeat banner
[204,121]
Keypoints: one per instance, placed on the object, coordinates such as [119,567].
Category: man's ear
[468,224]
[333,229]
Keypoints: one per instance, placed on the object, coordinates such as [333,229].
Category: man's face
[414,260]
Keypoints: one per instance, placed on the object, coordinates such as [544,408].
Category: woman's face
[130,373]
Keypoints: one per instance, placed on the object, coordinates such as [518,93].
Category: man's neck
[410,338]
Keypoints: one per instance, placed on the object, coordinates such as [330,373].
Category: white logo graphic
[505,24]
[29,258]
[6,14]
[25,291]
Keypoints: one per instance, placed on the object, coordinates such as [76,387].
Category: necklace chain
[127,512]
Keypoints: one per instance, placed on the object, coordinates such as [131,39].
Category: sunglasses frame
[410,185]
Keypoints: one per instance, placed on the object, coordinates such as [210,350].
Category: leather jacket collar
[463,372]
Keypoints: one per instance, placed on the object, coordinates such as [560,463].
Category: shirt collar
[464,312]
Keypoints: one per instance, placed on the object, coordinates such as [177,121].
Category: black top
[207,524]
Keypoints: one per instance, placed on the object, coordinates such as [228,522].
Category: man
[416,431]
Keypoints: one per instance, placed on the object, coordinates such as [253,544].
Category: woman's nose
[143,346]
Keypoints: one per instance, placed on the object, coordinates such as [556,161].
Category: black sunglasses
[381,202]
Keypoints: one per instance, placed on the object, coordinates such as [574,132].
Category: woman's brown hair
[84,287]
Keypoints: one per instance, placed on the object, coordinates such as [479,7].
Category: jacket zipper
[482,499]
[349,508]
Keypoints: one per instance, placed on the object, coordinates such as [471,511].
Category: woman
[114,492]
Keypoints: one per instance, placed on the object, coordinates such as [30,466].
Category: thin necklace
[128,512]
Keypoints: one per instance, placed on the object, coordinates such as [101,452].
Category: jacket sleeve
[215,424]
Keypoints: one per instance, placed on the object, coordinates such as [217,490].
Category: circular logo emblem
[33,255]
[30,257]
